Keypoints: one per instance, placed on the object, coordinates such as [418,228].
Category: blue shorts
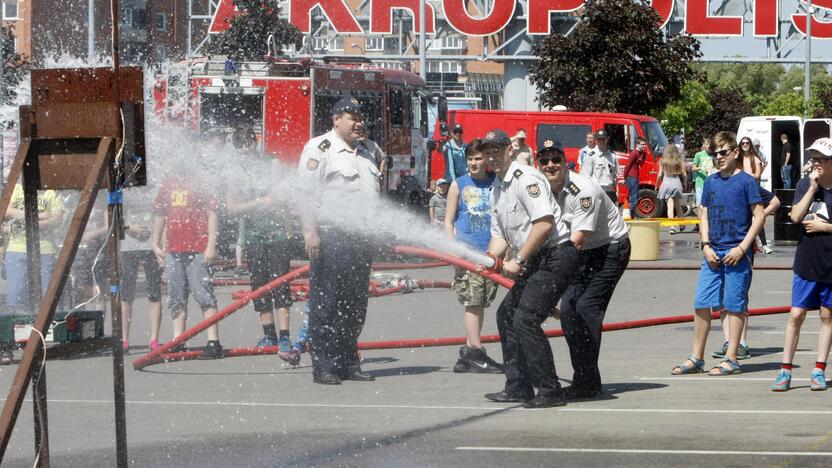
[810,295]
[726,287]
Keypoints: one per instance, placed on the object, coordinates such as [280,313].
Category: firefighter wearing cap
[340,261]
[456,164]
[526,222]
[598,230]
[602,166]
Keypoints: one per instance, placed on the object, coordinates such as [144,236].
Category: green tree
[823,98]
[691,107]
[729,105]
[248,32]
[783,104]
[616,59]
[754,79]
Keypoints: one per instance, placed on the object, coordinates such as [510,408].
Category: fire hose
[159,356]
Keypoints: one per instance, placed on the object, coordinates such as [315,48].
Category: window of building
[336,43]
[444,66]
[161,22]
[374,43]
[10,10]
[449,42]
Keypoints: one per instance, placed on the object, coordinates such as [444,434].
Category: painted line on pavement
[721,378]
[570,409]
[649,452]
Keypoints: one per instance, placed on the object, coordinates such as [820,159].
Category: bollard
[644,237]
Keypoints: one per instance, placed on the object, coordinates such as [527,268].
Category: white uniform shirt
[520,198]
[603,168]
[586,207]
[584,153]
[330,161]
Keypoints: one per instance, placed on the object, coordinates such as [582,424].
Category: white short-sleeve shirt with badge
[587,208]
[328,160]
[520,198]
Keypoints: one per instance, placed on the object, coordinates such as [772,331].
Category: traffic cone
[626,211]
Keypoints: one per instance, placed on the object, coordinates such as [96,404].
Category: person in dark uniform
[340,270]
[598,230]
[526,220]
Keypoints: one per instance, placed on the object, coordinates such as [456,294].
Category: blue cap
[497,138]
[346,104]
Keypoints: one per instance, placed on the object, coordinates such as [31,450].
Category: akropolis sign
[698,20]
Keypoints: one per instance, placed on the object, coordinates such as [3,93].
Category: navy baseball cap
[457,129]
[550,147]
[346,105]
[602,134]
[497,138]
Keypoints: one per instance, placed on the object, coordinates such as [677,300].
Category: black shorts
[129,263]
[267,262]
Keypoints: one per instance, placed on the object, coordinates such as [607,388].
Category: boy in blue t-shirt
[468,220]
[812,283]
[731,215]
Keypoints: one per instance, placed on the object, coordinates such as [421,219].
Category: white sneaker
[767,250]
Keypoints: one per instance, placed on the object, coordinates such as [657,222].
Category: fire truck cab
[287,102]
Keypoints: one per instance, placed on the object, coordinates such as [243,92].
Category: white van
[802,133]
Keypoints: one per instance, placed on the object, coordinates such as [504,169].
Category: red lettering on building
[539,15]
[336,11]
[766,16]
[699,23]
[664,8]
[820,29]
[381,15]
[456,13]
[222,17]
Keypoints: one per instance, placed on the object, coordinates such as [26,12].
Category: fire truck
[287,102]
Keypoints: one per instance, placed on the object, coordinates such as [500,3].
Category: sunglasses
[745,143]
[820,160]
[725,152]
[543,161]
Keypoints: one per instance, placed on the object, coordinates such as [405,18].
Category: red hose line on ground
[153,356]
[460,340]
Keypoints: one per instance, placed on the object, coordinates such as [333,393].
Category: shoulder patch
[312,164]
[573,189]
[586,203]
[517,173]
[324,145]
[534,190]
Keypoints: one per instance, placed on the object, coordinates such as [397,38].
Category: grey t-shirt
[438,204]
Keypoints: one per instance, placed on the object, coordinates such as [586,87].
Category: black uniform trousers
[527,355]
[339,280]
[584,305]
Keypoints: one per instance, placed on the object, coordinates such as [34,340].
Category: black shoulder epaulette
[324,145]
[517,173]
[573,189]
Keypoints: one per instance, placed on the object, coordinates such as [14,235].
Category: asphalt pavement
[255,412]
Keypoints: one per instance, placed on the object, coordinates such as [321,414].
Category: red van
[569,129]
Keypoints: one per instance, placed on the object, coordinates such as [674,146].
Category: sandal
[697,367]
[733,368]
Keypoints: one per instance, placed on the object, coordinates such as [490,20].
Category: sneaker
[782,382]
[213,350]
[720,354]
[154,345]
[767,250]
[461,367]
[479,362]
[285,344]
[6,357]
[292,357]
[743,352]
[818,379]
[266,341]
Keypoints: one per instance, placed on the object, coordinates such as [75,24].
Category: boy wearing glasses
[730,219]
[812,284]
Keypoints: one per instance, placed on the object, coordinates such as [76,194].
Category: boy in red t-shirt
[189,218]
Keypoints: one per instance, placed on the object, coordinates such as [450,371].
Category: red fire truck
[569,129]
[287,102]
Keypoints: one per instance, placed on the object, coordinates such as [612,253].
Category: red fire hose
[158,356]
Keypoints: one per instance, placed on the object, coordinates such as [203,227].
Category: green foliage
[729,105]
[754,79]
[790,103]
[823,96]
[686,111]
[616,59]
[249,30]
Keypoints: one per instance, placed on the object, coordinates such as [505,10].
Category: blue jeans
[786,175]
[632,193]
[17,280]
